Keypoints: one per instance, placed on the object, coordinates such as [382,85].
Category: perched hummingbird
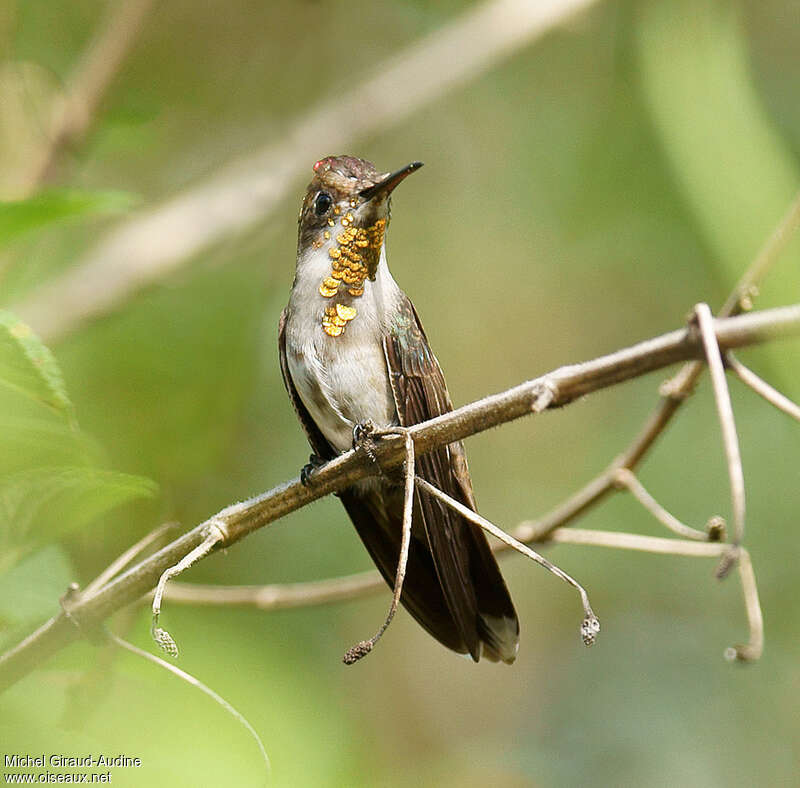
[353,352]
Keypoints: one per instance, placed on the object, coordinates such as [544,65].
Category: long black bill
[390,181]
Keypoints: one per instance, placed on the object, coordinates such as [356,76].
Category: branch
[674,391]
[74,113]
[564,385]
[153,244]
[590,626]
[617,475]
[730,440]
[753,649]
[627,480]
[761,387]
[279,596]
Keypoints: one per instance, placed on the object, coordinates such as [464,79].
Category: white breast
[342,381]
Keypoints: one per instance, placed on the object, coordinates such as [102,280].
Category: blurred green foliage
[49,480]
[18,217]
[578,197]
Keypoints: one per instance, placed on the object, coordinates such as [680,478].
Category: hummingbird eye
[322,203]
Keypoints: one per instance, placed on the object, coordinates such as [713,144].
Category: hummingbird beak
[387,185]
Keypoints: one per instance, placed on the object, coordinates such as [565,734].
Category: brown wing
[473,587]
[378,518]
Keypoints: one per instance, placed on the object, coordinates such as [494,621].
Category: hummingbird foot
[364,435]
[313,463]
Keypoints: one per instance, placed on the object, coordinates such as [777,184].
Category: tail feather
[486,624]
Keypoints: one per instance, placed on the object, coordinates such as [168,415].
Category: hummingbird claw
[362,431]
[364,434]
[313,463]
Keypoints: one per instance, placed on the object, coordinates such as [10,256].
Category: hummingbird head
[346,208]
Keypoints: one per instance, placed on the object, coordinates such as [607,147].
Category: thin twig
[278,596]
[363,648]
[214,535]
[89,83]
[754,648]
[663,546]
[628,480]
[322,592]
[761,387]
[741,298]
[150,246]
[660,545]
[590,626]
[239,520]
[116,566]
[677,389]
[194,682]
[730,440]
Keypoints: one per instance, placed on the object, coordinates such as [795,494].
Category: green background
[577,197]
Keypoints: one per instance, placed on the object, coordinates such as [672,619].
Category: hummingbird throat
[354,258]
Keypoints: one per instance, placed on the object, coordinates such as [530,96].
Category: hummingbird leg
[313,463]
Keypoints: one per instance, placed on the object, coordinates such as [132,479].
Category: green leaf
[29,369]
[19,217]
[40,504]
[40,440]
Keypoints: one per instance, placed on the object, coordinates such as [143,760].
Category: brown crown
[344,175]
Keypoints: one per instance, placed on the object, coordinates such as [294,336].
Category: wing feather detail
[473,587]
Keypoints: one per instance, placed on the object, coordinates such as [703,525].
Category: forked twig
[322,592]
[240,519]
[716,368]
[753,649]
[363,648]
[676,389]
[590,625]
[133,552]
[761,387]
[165,641]
[627,480]
[673,394]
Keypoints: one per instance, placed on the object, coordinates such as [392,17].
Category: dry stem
[730,440]
[363,648]
[753,649]
[590,626]
[565,384]
[762,388]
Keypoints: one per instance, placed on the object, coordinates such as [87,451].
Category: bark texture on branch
[558,388]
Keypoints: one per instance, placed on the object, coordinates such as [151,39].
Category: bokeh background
[581,192]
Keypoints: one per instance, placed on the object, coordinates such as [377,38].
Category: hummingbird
[354,356]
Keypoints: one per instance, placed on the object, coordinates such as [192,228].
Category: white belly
[342,381]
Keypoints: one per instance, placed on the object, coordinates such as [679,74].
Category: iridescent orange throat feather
[346,208]
[354,259]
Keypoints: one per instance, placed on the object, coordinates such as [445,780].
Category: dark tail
[453,586]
